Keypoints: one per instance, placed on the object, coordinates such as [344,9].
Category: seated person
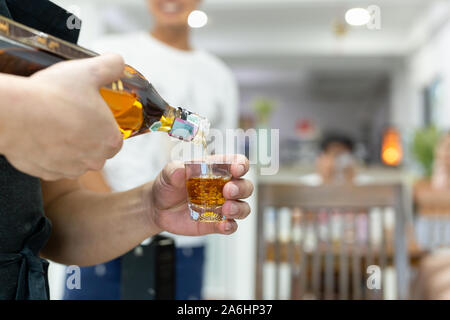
[335,164]
[434,277]
[441,167]
[434,270]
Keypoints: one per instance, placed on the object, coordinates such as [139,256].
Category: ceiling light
[357,17]
[197,19]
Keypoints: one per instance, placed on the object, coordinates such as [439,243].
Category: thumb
[105,69]
[174,174]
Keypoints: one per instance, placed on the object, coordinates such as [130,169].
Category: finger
[65,169]
[112,144]
[50,175]
[173,174]
[236,209]
[105,69]
[47,175]
[239,163]
[229,226]
[34,169]
[93,165]
[238,189]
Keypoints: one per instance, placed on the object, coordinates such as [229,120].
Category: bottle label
[183,130]
[193,118]
[156,126]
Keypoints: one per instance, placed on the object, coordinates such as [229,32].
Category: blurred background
[307,68]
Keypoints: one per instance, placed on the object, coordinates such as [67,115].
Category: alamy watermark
[374,280]
[73,281]
[375,17]
[74,20]
[262,147]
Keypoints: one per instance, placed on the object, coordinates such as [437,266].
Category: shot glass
[204,184]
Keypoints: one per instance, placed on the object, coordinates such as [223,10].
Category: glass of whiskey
[204,183]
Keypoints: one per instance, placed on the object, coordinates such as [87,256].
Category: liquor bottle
[134,102]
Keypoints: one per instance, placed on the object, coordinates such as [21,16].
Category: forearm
[91,228]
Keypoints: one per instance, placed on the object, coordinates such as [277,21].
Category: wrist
[12,90]
[149,209]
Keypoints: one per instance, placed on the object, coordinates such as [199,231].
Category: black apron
[24,229]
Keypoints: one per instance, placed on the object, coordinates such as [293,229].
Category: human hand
[325,167]
[168,200]
[63,125]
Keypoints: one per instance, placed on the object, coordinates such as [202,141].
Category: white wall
[427,64]
[405,108]
[344,109]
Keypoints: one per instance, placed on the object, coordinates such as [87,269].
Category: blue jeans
[189,273]
[103,282]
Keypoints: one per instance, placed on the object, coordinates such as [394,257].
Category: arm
[91,228]
[55,124]
[94,181]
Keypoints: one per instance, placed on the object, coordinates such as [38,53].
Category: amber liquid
[127,110]
[134,102]
[206,192]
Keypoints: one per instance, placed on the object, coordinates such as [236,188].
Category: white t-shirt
[194,80]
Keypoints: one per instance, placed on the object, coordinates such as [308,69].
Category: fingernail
[234,208]
[228,226]
[234,190]
[241,169]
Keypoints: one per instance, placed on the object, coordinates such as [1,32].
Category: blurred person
[431,194]
[185,76]
[433,281]
[434,277]
[54,128]
[441,166]
[335,164]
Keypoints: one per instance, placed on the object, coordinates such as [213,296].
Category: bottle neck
[181,124]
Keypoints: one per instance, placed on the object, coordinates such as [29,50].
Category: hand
[325,167]
[169,204]
[63,125]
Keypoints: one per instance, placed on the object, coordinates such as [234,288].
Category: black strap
[33,282]
[4,11]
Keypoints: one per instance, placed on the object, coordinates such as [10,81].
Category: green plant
[424,146]
[263,108]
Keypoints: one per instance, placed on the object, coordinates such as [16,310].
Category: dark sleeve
[42,15]
[4,9]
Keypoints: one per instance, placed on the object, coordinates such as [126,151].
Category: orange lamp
[391,150]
